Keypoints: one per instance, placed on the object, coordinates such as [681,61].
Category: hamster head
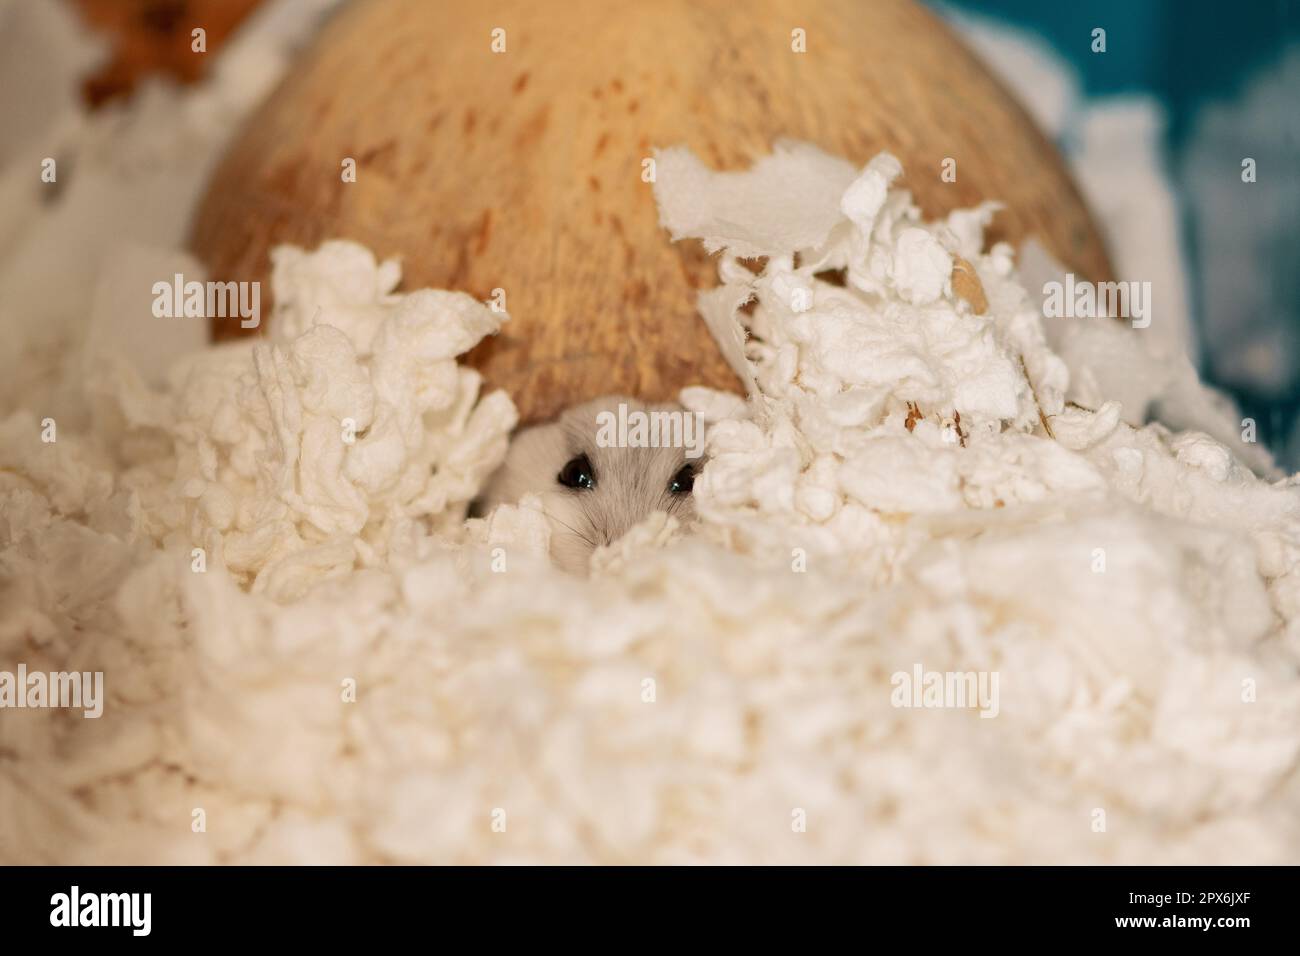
[592,488]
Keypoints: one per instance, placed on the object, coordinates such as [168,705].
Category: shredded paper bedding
[309,650]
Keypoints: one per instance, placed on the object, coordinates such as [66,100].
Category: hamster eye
[682,482]
[578,473]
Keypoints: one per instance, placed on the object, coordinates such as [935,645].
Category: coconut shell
[522,170]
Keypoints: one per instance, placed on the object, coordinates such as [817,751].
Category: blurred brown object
[522,169]
[154,37]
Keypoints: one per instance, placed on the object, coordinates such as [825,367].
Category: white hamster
[592,493]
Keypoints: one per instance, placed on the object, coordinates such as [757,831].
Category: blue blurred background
[1156,129]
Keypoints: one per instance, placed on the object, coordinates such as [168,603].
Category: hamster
[592,490]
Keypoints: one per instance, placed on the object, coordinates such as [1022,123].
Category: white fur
[631,483]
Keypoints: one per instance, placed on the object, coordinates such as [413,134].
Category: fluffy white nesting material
[358,675]
[127,176]
[778,206]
